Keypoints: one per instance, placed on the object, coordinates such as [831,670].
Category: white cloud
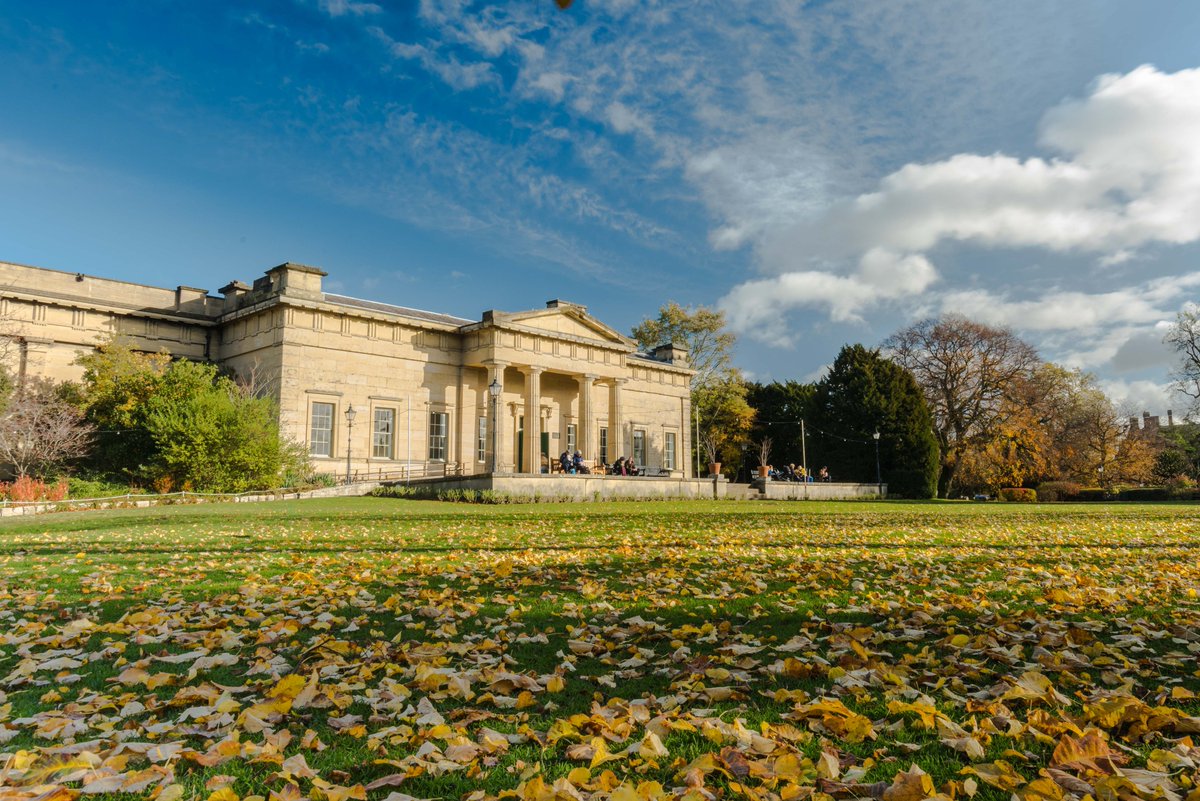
[1072,310]
[453,72]
[625,120]
[758,307]
[339,8]
[1128,175]
[1134,397]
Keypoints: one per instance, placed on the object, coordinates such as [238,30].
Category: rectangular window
[481,440]
[604,445]
[669,451]
[320,435]
[437,436]
[639,447]
[383,433]
[571,446]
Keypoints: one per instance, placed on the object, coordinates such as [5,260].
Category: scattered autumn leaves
[896,656]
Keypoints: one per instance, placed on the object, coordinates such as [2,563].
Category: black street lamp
[494,390]
[351,413]
[878,472]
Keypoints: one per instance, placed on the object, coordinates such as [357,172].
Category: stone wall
[818,491]
[581,488]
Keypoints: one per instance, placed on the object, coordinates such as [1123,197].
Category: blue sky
[825,172]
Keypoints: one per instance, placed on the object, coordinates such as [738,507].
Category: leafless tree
[40,431]
[1184,337]
[257,381]
[967,371]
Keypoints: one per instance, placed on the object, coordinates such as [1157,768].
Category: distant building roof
[402,311]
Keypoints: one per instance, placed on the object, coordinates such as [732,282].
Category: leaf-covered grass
[376,648]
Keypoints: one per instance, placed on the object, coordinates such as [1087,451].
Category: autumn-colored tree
[118,381]
[718,392]
[968,372]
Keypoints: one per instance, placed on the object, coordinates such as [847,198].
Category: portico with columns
[564,382]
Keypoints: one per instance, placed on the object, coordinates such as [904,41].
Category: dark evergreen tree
[779,407]
[863,393]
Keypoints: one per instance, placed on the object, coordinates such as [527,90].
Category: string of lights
[812,429]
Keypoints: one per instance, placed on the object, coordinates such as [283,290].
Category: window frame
[670,443]
[329,430]
[639,446]
[572,435]
[604,444]
[390,452]
[481,437]
[439,442]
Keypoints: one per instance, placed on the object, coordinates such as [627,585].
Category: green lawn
[376,648]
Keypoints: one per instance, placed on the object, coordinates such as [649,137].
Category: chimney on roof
[1170,418]
[565,304]
[233,292]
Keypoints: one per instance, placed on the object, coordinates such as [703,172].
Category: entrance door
[520,443]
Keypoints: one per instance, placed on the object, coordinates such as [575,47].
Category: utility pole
[803,449]
[878,473]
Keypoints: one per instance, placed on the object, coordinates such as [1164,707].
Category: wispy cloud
[341,8]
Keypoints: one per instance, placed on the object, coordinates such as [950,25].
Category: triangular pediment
[570,321]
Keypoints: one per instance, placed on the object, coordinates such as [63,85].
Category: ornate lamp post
[494,390]
[878,472]
[351,413]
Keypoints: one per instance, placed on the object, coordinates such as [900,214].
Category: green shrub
[1144,494]
[1018,495]
[98,488]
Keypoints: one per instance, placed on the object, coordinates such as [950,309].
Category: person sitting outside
[577,465]
[631,468]
[618,467]
[823,475]
[564,462]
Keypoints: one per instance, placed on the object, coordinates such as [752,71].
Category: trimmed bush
[1050,491]
[1092,494]
[1144,494]
[1018,495]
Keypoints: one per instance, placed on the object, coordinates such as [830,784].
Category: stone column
[587,420]
[495,445]
[616,434]
[533,419]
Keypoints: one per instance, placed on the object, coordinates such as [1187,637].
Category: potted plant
[764,457]
[709,446]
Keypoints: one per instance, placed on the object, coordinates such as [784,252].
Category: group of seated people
[574,464]
[791,472]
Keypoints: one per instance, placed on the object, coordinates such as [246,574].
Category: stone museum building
[394,390]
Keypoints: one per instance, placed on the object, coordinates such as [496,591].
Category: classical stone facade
[418,382]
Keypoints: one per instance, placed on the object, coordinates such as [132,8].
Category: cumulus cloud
[1134,397]
[756,306]
[1125,174]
